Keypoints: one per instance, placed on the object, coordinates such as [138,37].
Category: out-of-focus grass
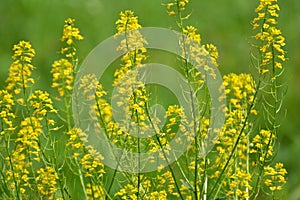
[224,23]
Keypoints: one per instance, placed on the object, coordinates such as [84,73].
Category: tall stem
[188,76]
[164,153]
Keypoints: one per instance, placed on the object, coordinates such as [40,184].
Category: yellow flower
[21,69]
[161,195]
[128,21]
[91,163]
[63,76]
[275,177]
[172,13]
[259,143]
[6,111]
[95,191]
[63,69]
[41,103]
[46,181]
[169,5]
[239,88]
[269,35]
[70,33]
[180,4]
[127,192]
[239,184]
[133,44]
[192,33]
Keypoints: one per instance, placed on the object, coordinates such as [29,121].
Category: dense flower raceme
[46,179]
[21,69]
[128,21]
[63,69]
[132,45]
[201,56]
[270,35]
[6,111]
[275,177]
[70,32]
[42,104]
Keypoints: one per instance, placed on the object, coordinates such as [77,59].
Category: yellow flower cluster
[262,145]
[132,46]
[17,176]
[6,111]
[200,56]
[170,184]
[104,112]
[74,141]
[63,69]
[94,92]
[28,137]
[175,119]
[275,177]
[70,34]
[91,163]
[269,34]
[179,4]
[63,76]
[42,104]
[147,191]
[137,105]
[174,113]
[161,195]
[21,69]
[127,192]
[213,52]
[239,185]
[94,191]
[88,85]
[46,181]
[128,21]
[192,33]
[241,89]
[131,92]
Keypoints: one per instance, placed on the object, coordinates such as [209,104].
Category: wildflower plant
[46,151]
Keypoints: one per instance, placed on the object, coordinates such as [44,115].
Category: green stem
[273,124]
[55,162]
[67,110]
[247,161]
[139,147]
[118,161]
[204,180]
[81,178]
[164,153]
[187,74]
[12,166]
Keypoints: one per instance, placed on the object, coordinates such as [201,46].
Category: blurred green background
[223,23]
